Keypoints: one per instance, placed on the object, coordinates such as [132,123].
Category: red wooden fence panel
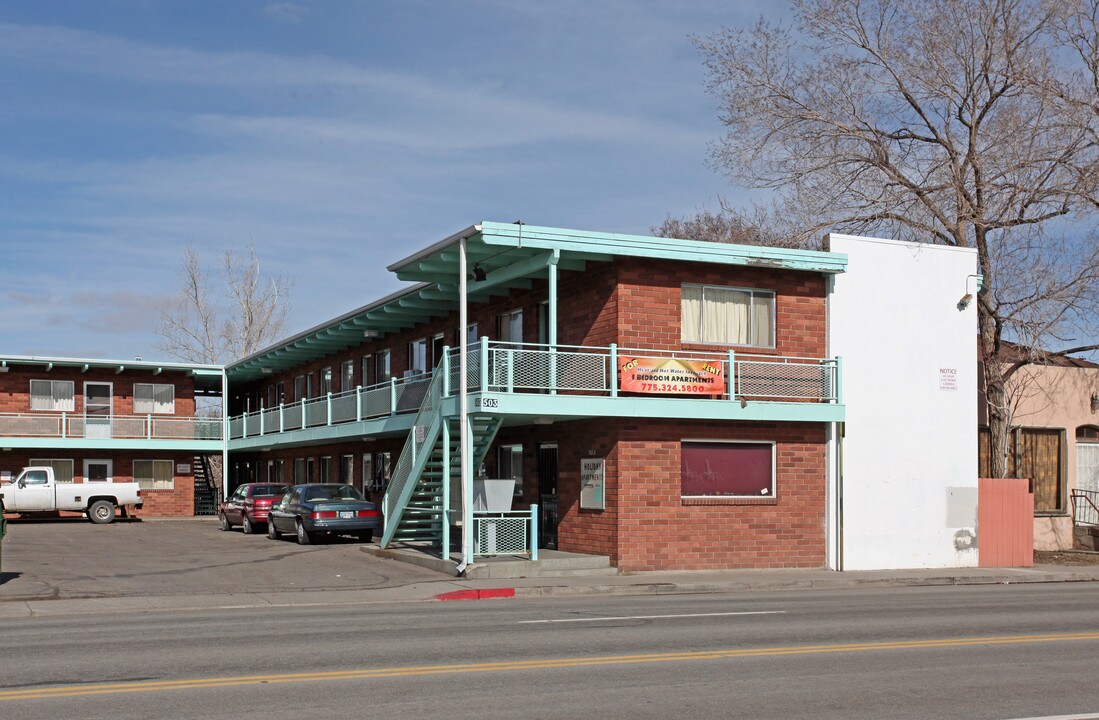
[1005,522]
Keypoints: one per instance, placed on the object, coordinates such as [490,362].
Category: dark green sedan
[308,511]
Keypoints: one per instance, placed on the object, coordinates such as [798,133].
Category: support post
[328,408]
[282,415]
[614,370]
[552,320]
[731,374]
[64,424]
[358,403]
[839,379]
[534,532]
[148,427]
[220,491]
[261,420]
[463,411]
[446,509]
[392,396]
[483,354]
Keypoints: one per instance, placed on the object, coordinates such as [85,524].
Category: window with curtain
[727,469]
[381,366]
[727,316]
[54,395]
[152,399]
[62,469]
[154,474]
[326,381]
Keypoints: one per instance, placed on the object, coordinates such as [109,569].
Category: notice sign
[948,378]
[671,376]
[183,468]
[593,476]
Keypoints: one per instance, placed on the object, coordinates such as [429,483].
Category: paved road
[974,652]
[76,559]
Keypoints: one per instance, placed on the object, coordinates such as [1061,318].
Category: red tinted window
[727,469]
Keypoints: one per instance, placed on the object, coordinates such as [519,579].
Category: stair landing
[550,563]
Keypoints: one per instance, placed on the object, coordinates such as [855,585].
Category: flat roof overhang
[512,256]
[207,378]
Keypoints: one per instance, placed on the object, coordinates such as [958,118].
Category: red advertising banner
[671,376]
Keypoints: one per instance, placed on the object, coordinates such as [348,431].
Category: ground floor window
[299,470]
[1036,454]
[154,474]
[727,469]
[62,469]
[326,469]
[347,469]
[510,465]
[1087,458]
[381,472]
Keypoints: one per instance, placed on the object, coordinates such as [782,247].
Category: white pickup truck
[35,490]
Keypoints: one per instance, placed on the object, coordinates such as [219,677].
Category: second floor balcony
[74,427]
[673,383]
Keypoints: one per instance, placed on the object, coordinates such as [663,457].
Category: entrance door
[97,409]
[547,491]
[98,471]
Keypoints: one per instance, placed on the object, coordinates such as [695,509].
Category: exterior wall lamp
[1095,403]
[479,273]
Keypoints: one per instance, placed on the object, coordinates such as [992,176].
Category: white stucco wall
[905,474]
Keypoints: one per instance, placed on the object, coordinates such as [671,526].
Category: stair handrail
[1091,497]
[414,456]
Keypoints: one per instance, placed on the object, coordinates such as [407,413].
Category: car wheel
[247,526]
[366,535]
[272,531]
[101,512]
[224,523]
[304,536]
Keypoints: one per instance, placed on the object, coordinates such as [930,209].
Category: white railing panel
[502,533]
[316,412]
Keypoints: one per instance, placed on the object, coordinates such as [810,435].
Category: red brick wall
[15,387]
[647,525]
[650,304]
[177,502]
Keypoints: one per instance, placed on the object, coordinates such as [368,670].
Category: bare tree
[204,326]
[756,226]
[972,123]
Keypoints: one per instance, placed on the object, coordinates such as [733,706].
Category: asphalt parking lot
[73,558]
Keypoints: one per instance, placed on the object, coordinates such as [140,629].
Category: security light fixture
[964,302]
[267,370]
[479,273]
[370,333]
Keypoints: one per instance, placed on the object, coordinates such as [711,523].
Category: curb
[477,594]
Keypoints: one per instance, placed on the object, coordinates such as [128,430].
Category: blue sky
[337,136]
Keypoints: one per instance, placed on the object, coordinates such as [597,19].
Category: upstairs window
[152,399]
[347,376]
[299,387]
[727,316]
[417,357]
[509,326]
[55,395]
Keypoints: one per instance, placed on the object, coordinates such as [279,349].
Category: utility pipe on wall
[463,413]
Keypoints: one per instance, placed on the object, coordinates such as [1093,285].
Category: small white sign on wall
[183,468]
[593,477]
[948,378]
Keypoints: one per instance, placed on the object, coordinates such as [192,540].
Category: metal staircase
[423,517]
[414,504]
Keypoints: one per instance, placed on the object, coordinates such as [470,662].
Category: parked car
[323,508]
[249,504]
[36,489]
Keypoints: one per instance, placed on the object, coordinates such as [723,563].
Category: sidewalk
[653,583]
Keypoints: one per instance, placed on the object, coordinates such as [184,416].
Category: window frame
[51,462]
[379,356]
[506,319]
[771,495]
[154,411]
[53,396]
[752,292]
[150,482]
[508,448]
[299,388]
[347,376]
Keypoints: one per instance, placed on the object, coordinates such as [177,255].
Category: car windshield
[331,492]
[268,490]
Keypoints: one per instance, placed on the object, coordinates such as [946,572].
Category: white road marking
[1085,716]
[650,617]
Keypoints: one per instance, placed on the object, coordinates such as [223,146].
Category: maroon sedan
[248,505]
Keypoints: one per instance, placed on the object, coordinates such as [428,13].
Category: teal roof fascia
[615,244]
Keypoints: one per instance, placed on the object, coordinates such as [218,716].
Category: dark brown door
[547,491]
